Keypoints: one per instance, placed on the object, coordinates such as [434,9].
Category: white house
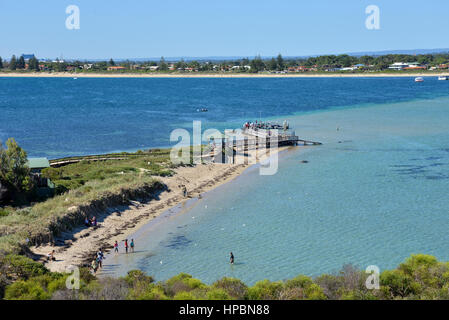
[398,66]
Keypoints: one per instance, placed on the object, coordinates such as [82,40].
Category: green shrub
[217,294]
[22,267]
[235,288]
[265,290]
[184,296]
[26,290]
[182,282]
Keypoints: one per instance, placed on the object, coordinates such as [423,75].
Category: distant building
[298,69]
[154,68]
[27,57]
[45,188]
[112,68]
[398,66]
[406,66]
[37,164]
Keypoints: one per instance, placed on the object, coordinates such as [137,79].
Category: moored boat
[419,79]
[443,78]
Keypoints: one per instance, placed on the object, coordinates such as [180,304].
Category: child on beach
[94,265]
[132,245]
[116,247]
[51,256]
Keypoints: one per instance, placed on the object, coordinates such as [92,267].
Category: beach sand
[118,223]
[217,75]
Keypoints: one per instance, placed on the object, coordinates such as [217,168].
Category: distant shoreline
[212,75]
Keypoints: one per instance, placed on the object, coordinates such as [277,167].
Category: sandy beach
[216,75]
[118,223]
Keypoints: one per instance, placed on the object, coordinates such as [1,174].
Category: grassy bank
[419,277]
[83,188]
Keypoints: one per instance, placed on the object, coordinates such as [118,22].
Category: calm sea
[372,194]
[67,117]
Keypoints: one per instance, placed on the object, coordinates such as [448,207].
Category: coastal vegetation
[343,63]
[87,185]
[418,277]
[15,180]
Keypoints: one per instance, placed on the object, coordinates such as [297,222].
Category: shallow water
[66,117]
[372,194]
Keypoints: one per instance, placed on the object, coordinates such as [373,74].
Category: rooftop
[37,163]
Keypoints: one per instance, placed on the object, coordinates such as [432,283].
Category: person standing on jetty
[132,245]
[126,245]
[100,257]
[231,260]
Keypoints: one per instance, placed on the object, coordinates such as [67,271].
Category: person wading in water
[231,260]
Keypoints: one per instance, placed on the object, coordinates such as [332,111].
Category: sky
[202,28]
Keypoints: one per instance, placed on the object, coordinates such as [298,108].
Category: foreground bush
[419,277]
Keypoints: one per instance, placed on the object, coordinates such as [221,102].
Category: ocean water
[67,117]
[373,194]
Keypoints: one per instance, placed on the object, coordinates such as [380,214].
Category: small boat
[419,79]
[443,78]
[202,110]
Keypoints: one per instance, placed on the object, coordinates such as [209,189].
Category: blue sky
[198,28]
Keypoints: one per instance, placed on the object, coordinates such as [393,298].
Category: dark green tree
[13,63]
[280,62]
[257,64]
[272,64]
[14,170]
[21,63]
[111,62]
[1,63]
[33,64]
[163,65]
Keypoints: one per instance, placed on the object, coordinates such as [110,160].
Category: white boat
[419,79]
[443,78]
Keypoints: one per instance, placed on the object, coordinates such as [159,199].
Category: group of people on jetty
[266,125]
[97,262]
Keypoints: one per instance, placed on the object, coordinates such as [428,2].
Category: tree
[280,62]
[21,63]
[33,64]
[272,64]
[13,63]
[1,63]
[111,62]
[257,64]
[14,171]
[162,65]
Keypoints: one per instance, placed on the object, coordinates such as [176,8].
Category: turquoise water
[66,117]
[372,194]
